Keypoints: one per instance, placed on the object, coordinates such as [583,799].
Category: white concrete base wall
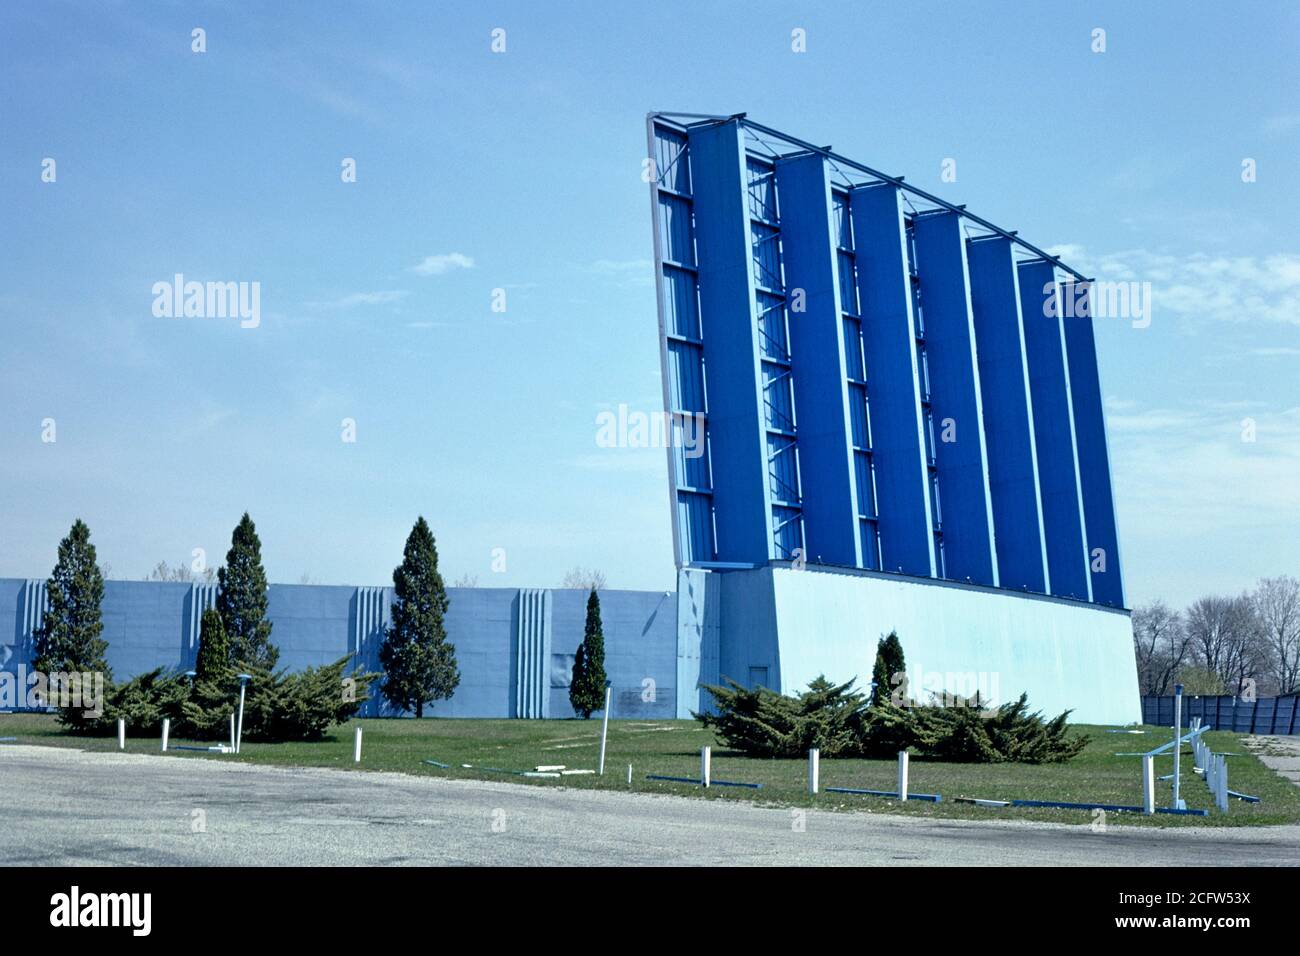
[956,638]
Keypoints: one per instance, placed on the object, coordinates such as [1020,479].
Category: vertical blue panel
[1090,437]
[955,398]
[370,618]
[144,629]
[817,360]
[1058,469]
[698,625]
[736,427]
[532,652]
[1008,417]
[889,348]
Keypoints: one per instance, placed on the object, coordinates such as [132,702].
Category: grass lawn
[671,747]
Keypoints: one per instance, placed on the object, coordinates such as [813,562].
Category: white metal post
[1148,784]
[706,765]
[356,747]
[1221,779]
[239,736]
[1178,747]
[121,733]
[902,775]
[629,775]
[167,728]
[814,769]
[604,728]
[232,731]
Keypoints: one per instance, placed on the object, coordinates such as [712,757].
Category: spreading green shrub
[303,705]
[278,706]
[143,701]
[763,723]
[841,722]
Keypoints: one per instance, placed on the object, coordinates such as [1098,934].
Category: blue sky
[522,171]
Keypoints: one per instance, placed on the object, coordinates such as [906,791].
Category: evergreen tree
[206,711]
[419,661]
[890,666]
[213,659]
[68,640]
[587,688]
[241,601]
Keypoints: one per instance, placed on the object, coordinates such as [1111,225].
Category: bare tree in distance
[1277,607]
[1226,638]
[1162,645]
[466,581]
[581,579]
[1200,681]
[181,572]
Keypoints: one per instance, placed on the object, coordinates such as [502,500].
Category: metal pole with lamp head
[239,732]
[604,728]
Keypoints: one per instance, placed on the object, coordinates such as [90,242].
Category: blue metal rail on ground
[700,783]
[928,797]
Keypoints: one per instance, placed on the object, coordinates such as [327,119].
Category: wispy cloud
[1202,286]
[1204,470]
[622,461]
[1283,123]
[632,272]
[361,298]
[620,266]
[442,263]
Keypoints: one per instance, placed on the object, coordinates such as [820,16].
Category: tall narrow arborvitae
[889,671]
[214,689]
[213,659]
[587,687]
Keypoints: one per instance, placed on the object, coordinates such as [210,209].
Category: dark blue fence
[1264,715]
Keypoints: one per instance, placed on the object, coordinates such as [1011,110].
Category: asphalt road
[72,808]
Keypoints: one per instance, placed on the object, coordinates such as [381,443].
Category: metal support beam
[741,504]
[818,362]
[1058,466]
[1094,457]
[1008,415]
[960,455]
[889,347]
